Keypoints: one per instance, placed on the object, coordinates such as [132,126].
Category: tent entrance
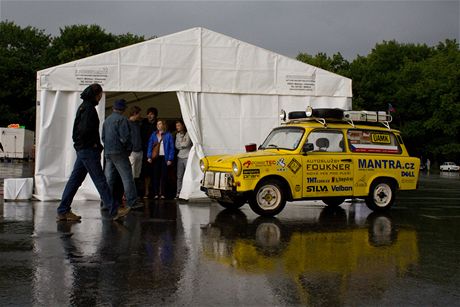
[166,103]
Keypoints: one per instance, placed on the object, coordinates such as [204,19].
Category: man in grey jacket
[116,136]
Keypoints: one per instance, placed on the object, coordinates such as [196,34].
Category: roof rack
[368,116]
[337,115]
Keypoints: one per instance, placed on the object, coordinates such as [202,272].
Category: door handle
[346,160]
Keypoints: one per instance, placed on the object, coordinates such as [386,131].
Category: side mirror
[307,147]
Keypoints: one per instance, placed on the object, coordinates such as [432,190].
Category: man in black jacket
[87,144]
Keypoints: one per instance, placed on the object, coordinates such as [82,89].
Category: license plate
[214,193]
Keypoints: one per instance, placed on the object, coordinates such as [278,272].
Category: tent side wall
[55,155]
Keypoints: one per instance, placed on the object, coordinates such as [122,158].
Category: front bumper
[219,186]
[218,180]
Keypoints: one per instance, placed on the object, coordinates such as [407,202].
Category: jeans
[120,163]
[88,161]
[181,164]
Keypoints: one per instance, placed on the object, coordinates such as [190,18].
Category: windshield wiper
[273,146]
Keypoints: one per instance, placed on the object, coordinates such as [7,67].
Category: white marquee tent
[228,92]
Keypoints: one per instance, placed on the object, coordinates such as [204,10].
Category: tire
[236,204]
[328,113]
[269,198]
[297,115]
[381,196]
[333,201]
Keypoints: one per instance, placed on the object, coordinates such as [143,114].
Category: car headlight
[236,167]
[204,165]
[283,115]
[309,111]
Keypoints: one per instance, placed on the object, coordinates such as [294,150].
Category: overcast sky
[286,27]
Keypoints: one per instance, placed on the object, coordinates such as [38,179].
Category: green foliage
[80,41]
[336,64]
[21,55]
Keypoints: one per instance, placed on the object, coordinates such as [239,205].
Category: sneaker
[121,213]
[156,197]
[138,204]
[68,216]
[162,197]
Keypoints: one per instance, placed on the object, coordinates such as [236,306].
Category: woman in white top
[183,145]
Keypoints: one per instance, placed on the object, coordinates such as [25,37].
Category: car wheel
[333,201]
[268,198]
[381,195]
[235,204]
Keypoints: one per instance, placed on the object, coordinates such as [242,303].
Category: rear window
[369,141]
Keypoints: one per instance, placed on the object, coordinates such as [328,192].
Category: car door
[328,169]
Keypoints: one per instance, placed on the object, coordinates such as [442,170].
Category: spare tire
[297,115]
[328,113]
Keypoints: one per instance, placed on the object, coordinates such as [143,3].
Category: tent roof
[196,60]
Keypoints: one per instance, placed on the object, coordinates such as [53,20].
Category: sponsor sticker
[249,163]
[251,173]
[294,165]
[342,179]
[380,138]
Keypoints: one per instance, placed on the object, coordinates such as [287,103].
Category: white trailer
[17,143]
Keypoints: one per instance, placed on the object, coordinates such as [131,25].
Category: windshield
[283,138]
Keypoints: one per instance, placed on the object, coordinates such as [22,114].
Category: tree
[80,41]
[336,64]
[22,53]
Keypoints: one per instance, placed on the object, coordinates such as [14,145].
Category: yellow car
[326,154]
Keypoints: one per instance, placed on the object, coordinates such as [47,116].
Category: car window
[327,140]
[283,138]
[362,140]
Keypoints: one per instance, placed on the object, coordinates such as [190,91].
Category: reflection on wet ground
[196,253]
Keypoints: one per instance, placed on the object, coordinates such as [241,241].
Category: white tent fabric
[226,88]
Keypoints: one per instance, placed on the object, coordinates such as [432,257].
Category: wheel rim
[382,195]
[268,197]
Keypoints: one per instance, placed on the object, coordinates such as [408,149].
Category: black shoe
[137,205]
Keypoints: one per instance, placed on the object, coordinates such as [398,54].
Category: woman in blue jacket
[163,159]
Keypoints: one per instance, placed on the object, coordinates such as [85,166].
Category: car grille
[217,180]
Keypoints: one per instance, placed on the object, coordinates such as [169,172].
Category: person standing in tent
[87,144]
[183,145]
[136,155]
[148,126]
[116,135]
[161,157]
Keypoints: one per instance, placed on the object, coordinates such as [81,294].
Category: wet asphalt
[196,254]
